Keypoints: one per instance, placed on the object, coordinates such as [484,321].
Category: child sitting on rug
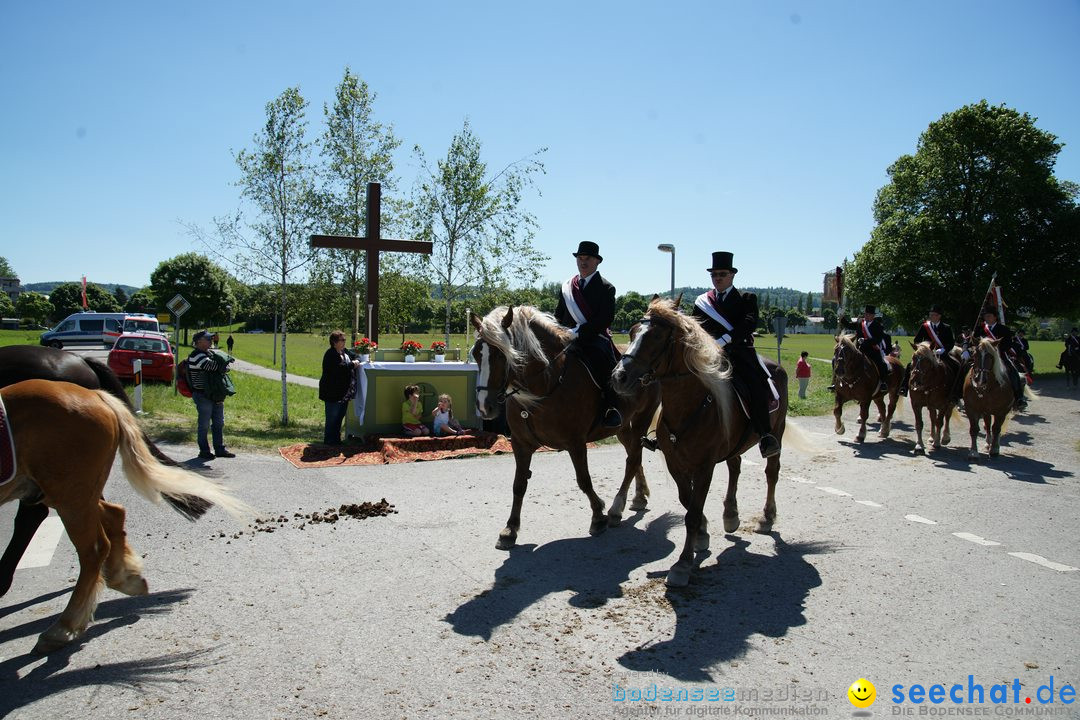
[411,423]
[445,422]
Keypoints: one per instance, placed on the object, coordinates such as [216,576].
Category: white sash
[703,304]
[989,333]
[867,336]
[865,330]
[930,329]
[571,304]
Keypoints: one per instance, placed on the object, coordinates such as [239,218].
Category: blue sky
[763,128]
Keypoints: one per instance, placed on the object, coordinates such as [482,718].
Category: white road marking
[1040,560]
[803,480]
[834,491]
[868,503]
[976,539]
[42,547]
[920,519]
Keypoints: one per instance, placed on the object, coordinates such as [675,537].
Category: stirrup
[650,444]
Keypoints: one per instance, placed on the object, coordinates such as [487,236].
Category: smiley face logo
[862,693]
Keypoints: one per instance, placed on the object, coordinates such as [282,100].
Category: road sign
[178,305]
[780,325]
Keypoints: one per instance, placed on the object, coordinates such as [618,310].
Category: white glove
[966,355]
[574,333]
[939,351]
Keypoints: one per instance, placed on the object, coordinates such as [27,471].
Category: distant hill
[47,287]
[778,296]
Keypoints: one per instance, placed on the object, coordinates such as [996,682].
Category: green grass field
[253,415]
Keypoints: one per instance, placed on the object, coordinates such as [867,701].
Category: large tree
[5,268]
[201,282]
[278,181]
[34,307]
[481,234]
[978,196]
[67,299]
[356,150]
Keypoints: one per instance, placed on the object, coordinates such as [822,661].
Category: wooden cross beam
[373,243]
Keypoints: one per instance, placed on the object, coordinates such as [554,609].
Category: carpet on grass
[391,450]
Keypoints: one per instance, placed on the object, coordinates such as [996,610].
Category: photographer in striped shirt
[207,376]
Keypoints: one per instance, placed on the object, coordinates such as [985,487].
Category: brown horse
[929,386]
[552,400]
[856,379]
[988,396]
[701,423]
[93,425]
[1071,364]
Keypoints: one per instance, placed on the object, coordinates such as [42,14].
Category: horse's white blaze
[635,345]
[482,378]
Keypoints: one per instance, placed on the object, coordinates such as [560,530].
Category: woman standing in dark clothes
[337,386]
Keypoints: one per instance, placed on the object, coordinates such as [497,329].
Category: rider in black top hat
[587,307]
[875,344]
[940,336]
[731,317]
[1072,348]
[991,328]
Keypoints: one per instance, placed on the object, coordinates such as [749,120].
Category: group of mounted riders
[587,306]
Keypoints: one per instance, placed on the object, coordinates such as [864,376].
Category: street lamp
[669,248]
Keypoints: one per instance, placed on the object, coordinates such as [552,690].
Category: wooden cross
[372,243]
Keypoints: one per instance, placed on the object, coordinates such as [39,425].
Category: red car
[151,348]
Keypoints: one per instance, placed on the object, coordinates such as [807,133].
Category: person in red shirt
[802,373]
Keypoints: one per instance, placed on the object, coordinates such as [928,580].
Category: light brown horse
[988,396]
[91,425]
[856,379]
[930,386]
[551,400]
[701,423]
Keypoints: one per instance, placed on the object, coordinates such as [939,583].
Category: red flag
[994,300]
[84,303]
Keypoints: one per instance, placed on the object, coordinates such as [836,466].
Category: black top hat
[935,308]
[589,248]
[722,261]
[870,309]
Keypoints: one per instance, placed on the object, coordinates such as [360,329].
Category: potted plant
[438,349]
[365,347]
[411,347]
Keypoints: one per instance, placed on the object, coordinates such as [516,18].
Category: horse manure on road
[358,511]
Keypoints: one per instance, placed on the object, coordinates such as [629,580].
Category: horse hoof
[765,524]
[678,577]
[614,520]
[132,585]
[918,451]
[994,453]
[701,542]
[731,523]
[598,526]
[54,638]
[841,430]
[639,505]
[507,540]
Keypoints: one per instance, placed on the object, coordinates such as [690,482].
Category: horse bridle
[506,392]
[651,375]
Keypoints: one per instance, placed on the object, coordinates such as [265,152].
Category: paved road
[881,566]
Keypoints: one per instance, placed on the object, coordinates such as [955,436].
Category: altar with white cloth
[380,393]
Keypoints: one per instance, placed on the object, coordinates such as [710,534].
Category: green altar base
[384,395]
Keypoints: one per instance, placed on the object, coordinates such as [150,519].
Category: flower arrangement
[438,347]
[365,346]
[411,347]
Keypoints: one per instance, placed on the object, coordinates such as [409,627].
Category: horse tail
[112,385]
[797,436]
[188,493]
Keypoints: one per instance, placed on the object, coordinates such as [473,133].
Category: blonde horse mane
[987,345]
[702,355]
[519,343]
[926,352]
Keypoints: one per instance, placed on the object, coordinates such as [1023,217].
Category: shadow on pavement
[49,677]
[593,568]
[742,594]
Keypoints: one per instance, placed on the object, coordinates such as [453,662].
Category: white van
[86,328]
[142,323]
